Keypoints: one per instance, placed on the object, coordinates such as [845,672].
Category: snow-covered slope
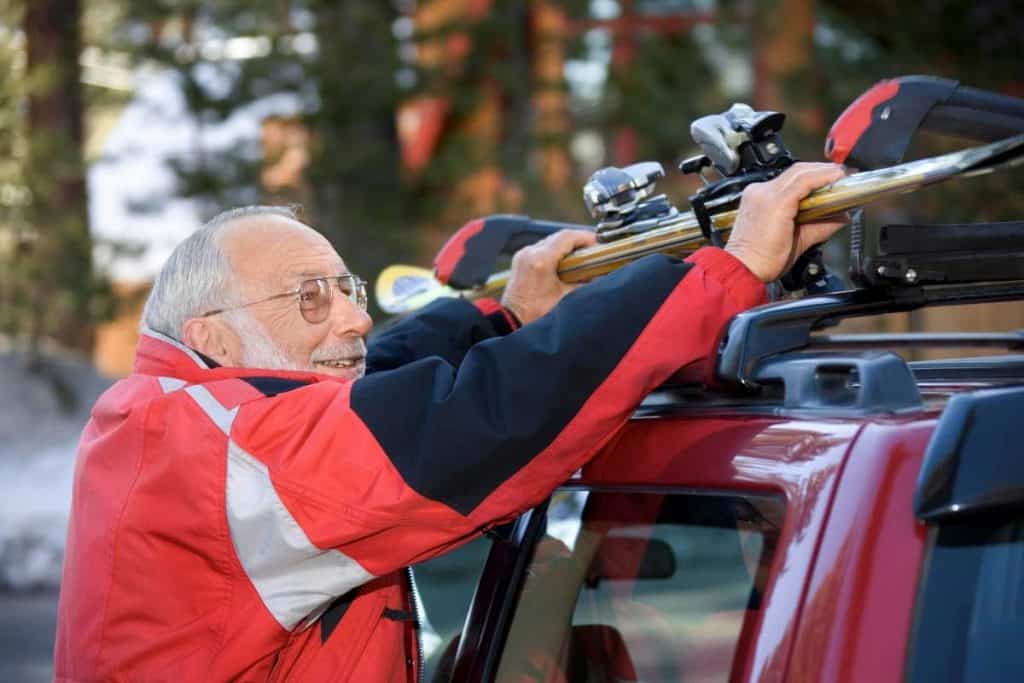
[38,436]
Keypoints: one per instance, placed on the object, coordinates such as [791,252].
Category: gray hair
[197,276]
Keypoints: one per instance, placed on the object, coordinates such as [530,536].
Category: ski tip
[402,289]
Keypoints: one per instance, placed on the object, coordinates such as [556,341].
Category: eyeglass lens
[315,296]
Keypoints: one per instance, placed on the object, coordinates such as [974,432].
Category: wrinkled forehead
[274,253]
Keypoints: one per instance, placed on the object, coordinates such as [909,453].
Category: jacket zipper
[414,601]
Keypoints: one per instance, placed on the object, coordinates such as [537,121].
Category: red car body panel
[801,459]
[839,605]
[859,607]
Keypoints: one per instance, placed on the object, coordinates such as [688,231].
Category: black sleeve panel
[446,328]
[456,436]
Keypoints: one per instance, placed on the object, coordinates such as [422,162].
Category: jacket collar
[163,356]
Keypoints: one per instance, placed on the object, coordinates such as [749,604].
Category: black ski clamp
[470,255]
[700,211]
[809,274]
[946,253]
[877,128]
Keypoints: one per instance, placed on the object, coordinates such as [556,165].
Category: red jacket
[250,525]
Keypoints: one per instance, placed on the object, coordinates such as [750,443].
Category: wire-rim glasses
[314,296]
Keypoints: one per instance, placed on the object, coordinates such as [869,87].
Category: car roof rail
[754,336]
[1004,340]
[993,369]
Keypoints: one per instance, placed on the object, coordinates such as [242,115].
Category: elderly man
[246,502]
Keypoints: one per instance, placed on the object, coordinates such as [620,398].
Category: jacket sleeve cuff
[743,287]
[503,320]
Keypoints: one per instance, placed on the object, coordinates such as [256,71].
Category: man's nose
[347,318]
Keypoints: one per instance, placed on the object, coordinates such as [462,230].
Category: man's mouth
[341,362]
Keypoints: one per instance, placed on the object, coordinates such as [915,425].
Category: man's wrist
[744,287]
[518,309]
[751,261]
[503,318]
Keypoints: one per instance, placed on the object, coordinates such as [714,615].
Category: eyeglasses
[314,296]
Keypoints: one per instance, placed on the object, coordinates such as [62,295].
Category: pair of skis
[402,289]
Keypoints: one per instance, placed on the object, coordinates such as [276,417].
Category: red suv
[856,518]
[828,511]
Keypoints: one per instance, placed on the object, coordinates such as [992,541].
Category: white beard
[258,349]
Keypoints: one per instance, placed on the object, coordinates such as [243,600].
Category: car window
[642,586]
[970,613]
[445,586]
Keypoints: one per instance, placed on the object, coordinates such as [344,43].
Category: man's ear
[214,339]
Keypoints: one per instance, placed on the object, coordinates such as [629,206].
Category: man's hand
[764,236]
[534,287]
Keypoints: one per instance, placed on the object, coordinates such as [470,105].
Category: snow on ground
[38,439]
[131,201]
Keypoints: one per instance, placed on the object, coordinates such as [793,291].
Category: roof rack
[755,336]
[909,267]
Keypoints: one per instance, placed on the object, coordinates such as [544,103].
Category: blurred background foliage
[512,105]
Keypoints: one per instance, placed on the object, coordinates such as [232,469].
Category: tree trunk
[785,77]
[354,166]
[62,279]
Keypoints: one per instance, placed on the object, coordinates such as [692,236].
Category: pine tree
[337,60]
[49,288]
